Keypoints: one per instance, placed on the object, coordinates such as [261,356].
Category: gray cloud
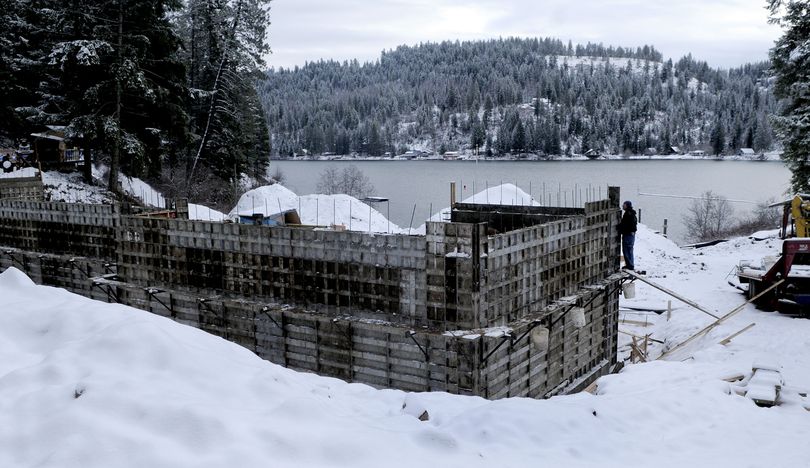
[725,33]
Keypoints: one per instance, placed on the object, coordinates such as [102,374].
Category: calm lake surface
[426,184]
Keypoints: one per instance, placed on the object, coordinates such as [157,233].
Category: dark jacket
[628,223]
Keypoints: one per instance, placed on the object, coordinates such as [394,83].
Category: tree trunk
[115,158]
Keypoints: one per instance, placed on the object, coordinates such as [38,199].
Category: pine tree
[114,78]
[791,65]
[519,138]
[718,138]
[20,66]
[225,43]
[477,136]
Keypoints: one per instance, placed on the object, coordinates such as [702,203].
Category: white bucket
[539,338]
[629,290]
[578,317]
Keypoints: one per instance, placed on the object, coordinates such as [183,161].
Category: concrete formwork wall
[379,354]
[28,188]
[72,273]
[376,353]
[380,276]
[519,364]
[414,287]
[453,268]
[517,273]
[51,227]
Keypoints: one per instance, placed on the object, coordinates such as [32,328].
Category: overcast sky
[725,33]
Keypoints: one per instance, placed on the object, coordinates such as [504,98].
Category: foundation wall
[64,228]
[390,311]
[379,277]
[384,355]
[28,188]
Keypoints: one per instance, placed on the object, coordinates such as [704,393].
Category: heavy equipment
[795,216]
[793,266]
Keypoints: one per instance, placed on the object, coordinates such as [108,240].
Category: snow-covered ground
[89,384]
[71,188]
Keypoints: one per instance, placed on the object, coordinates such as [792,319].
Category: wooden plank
[640,337]
[727,340]
[671,293]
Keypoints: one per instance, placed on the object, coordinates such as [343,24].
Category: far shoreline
[774,157]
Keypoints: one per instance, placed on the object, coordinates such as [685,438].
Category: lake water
[426,184]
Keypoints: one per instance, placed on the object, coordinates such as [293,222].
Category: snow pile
[652,248]
[204,213]
[326,210]
[90,384]
[144,192]
[317,210]
[72,188]
[20,173]
[504,194]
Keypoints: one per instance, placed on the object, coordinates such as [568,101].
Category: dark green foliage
[610,99]
[224,45]
[791,66]
[69,60]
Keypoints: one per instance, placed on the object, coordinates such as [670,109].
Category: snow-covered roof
[48,136]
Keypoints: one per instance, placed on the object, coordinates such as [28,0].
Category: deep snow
[89,384]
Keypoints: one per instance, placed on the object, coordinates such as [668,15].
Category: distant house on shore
[451,155]
[411,154]
[697,153]
[593,154]
[746,152]
[674,150]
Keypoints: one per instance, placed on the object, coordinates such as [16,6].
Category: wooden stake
[735,335]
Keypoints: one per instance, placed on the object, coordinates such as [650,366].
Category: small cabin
[53,148]
[593,154]
[746,152]
[697,153]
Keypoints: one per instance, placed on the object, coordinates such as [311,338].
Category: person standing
[627,228]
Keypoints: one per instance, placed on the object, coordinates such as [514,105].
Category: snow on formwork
[316,210]
[91,384]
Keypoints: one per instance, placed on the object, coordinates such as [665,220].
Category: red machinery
[793,266]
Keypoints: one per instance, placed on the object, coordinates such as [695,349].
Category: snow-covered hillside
[90,384]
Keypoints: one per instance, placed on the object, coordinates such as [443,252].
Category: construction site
[498,301]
